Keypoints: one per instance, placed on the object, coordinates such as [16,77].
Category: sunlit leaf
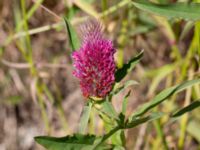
[188,11]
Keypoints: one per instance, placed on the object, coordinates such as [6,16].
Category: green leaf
[73,38]
[122,72]
[66,143]
[124,103]
[75,142]
[137,121]
[85,118]
[109,110]
[188,11]
[186,109]
[162,96]
[123,87]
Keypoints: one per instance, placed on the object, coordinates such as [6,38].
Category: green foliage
[75,142]
[137,121]
[156,115]
[178,10]
[122,72]
[162,96]
[73,38]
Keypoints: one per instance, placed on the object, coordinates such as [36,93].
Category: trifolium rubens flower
[94,61]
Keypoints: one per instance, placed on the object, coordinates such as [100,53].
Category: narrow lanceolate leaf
[73,38]
[74,142]
[162,96]
[137,121]
[188,11]
[122,72]
[186,109]
[85,118]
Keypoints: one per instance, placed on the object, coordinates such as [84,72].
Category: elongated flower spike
[94,61]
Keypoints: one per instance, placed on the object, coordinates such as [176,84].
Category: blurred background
[40,96]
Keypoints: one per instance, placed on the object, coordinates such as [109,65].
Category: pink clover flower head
[94,62]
